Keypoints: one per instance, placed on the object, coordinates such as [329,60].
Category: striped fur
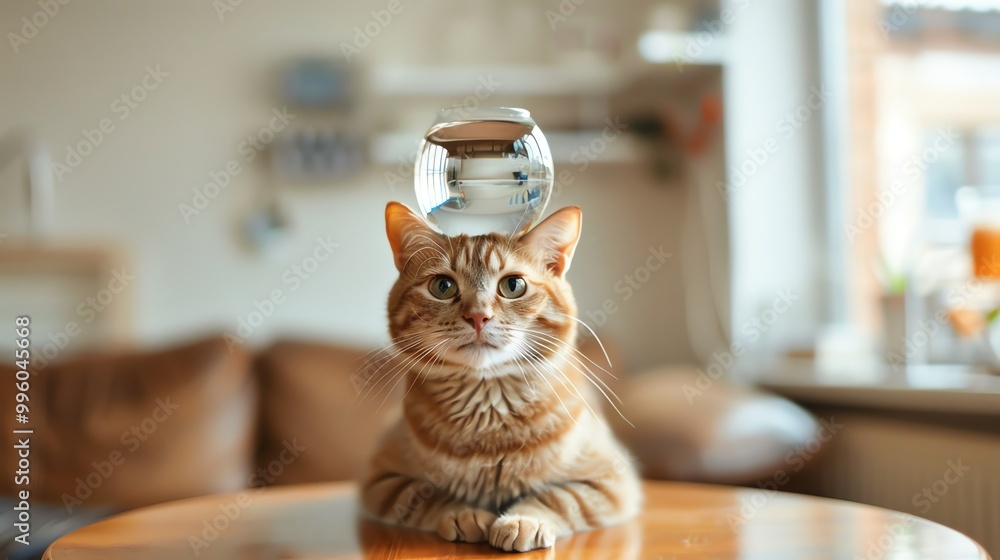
[502,439]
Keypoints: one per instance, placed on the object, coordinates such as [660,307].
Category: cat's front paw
[521,533]
[467,525]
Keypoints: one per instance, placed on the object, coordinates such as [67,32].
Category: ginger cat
[501,439]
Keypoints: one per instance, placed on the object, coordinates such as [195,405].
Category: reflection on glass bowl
[481,170]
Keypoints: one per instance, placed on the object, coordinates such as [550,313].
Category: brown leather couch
[114,431]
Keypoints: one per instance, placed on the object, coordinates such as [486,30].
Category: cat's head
[485,300]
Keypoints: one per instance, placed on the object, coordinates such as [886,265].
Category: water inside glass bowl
[484,169]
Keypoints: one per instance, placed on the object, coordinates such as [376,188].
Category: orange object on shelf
[985,248]
[967,322]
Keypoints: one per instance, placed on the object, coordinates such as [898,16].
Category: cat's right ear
[403,227]
[556,237]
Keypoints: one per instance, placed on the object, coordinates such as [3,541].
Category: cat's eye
[442,287]
[512,287]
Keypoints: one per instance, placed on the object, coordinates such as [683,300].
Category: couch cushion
[137,428]
[320,420]
[691,427]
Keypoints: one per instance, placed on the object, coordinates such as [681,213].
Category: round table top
[679,521]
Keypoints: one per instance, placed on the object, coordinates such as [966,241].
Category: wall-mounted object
[38,194]
[318,153]
[317,83]
[266,226]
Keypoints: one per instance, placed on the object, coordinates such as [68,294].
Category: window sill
[955,389]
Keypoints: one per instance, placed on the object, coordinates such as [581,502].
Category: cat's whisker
[433,245]
[414,382]
[433,241]
[531,364]
[593,382]
[568,352]
[440,256]
[385,360]
[545,362]
[526,215]
[375,350]
[524,376]
[401,377]
[570,346]
[399,372]
[394,346]
[594,334]
[388,352]
[590,376]
[400,365]
[388,346]
[441,357]
[437,357]
[573,353]
[536,358]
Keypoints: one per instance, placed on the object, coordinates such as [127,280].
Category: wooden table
[680,521]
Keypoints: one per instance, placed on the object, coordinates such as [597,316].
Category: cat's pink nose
[478,321]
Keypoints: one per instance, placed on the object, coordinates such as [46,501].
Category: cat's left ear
[406,232]
[556,237]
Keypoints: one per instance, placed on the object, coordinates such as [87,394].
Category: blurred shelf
[485,81]
[589,145]
[464,80]
[49,256]
[567,147]
[683,49]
